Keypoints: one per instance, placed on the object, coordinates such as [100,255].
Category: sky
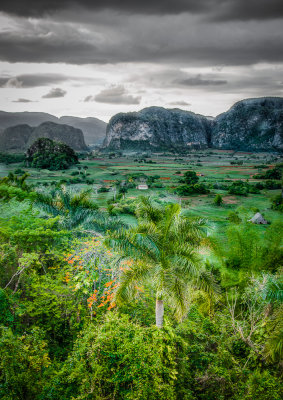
[94,58]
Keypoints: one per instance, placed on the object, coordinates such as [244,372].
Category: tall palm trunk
[159,312]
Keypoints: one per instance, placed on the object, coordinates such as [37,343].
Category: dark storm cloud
[177,39]
[22,101]
[116,95]
[32,80]
[17,48]
[225,9]
[199,81]
[54,93]
[35,7]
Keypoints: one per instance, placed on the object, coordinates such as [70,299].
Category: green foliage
[7,316]
[24,360]
[190,185]
[187,190]
[62,335]
[271,185]
[19,171]
[162,247]
[244,248]
[8,192]
[190,178]
[233,217]
[273,173]
[262,386]
[46,153]
[123,360]
[11,158]
[241,188]
[277,203]
[218,201]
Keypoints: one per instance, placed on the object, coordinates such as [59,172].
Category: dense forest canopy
[159,306]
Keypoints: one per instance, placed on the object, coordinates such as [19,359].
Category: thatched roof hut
[258,219]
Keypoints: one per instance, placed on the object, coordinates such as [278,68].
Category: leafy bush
[272,185]
[123,360]
[277,203]
[187,190]
[103,189]
[218,201]
[190,178]
[241,188]
[273,173]
[23,361]
[234,217]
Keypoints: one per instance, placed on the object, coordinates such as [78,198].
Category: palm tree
[272,292]
[162,248]
[76,210]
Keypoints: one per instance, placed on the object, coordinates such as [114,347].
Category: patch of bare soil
[230,199]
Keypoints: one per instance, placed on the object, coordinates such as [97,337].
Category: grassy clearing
[213,167]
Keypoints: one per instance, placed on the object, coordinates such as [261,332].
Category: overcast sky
[99,57]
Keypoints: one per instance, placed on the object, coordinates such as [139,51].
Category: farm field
[214,168]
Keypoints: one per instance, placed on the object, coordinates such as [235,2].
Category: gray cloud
[116,95]
[22,101]
[222,9]
[199,81]
[35,8]
[177,78]
[89,98]
[54,93]
[31,80]
[179,103]
[113,38]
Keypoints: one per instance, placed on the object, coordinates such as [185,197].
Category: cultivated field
[213,167]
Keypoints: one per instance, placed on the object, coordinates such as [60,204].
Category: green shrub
[218,201]
[262,386]
[277,203]
[122,360]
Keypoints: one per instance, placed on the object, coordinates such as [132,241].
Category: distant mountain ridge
[18,138]
[94,129]
[156,128]
[251,125]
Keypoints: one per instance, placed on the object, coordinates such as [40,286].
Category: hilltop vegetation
[46,153]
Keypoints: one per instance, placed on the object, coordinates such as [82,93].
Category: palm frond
[274,345]
[177,295]
[149,211]
[134,243]
[129,279]
[273,289]
[206,282]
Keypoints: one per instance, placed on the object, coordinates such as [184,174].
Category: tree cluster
[45,153]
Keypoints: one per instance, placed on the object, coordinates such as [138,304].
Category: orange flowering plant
[92,275]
